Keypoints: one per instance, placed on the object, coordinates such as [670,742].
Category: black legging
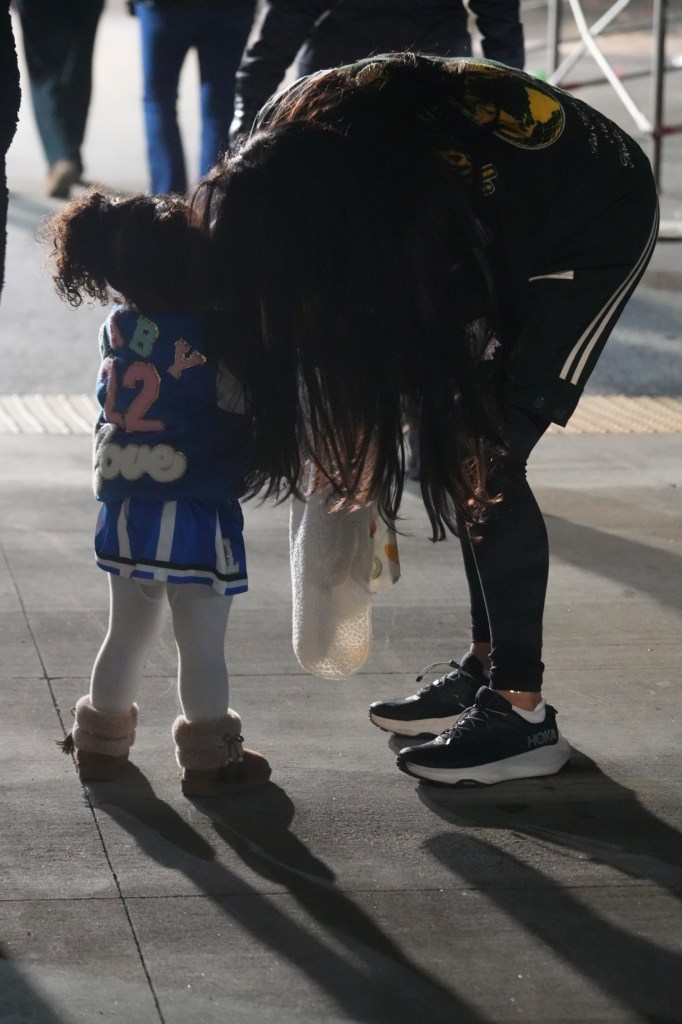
[506,560]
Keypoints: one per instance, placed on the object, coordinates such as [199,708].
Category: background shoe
[436,706]
[489,743]
[62,175]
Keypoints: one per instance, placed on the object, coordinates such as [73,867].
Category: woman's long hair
[354,283]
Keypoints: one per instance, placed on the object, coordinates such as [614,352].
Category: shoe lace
[473,718]
[437,683]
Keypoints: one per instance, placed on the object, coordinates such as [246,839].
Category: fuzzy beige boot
[100,740]
[212,758]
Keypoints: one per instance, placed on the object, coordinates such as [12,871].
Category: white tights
[136,617]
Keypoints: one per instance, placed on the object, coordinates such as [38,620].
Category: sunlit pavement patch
[596,414]
[47,414]
[625,414]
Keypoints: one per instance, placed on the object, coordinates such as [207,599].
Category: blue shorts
[183,541]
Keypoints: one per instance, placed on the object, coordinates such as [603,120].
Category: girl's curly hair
[144,249]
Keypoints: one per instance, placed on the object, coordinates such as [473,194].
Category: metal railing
[558,67]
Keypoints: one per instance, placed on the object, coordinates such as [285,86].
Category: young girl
[172,445]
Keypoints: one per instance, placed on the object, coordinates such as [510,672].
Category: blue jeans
[219,35]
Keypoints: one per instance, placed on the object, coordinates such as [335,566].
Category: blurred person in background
[326,33]
[10,96]
[59,39]
[218,30]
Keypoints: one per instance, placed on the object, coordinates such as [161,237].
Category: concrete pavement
[344,891]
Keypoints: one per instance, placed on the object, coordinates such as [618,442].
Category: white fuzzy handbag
[338,559]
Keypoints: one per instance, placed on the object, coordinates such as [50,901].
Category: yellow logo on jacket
[511,104]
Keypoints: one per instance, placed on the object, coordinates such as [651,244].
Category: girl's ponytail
[144,250]
[81,235]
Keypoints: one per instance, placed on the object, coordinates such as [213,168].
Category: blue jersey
[172,423]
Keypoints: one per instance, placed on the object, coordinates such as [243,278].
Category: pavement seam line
[57,708]
[124,904]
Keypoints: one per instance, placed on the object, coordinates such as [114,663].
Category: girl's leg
[511,554]
[106,718]
[135,621]
[200,622]
[208,735]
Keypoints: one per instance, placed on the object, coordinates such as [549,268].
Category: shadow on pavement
[20,1000]
[641,567]
[27,212]
[585,814]
[375,983]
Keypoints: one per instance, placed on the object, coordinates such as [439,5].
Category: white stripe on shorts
[122,530]
[156,574]
[593,333]
[219,547]
[166,531]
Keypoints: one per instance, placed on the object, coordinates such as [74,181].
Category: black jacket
[332,32]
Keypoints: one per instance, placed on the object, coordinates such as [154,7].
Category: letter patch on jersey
[110,336]
[162,462]
[115,337]
[183,361]
[145,334]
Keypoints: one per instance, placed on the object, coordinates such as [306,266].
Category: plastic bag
[338,559]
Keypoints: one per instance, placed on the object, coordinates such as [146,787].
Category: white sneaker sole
[426,726]
[543,761]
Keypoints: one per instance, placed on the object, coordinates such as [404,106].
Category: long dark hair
[352,275]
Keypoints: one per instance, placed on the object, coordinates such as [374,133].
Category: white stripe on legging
[601,321]
[561,275]
[166,531]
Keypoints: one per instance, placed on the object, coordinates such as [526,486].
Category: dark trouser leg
[568,318]
[77,77]
[506,562]
[220,45]
[480,626]
[58,40]
[166,39]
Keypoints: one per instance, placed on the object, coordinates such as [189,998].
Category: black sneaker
[489,743]
[436,706]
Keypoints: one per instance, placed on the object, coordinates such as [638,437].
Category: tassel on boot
[100,740]
[212,758]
